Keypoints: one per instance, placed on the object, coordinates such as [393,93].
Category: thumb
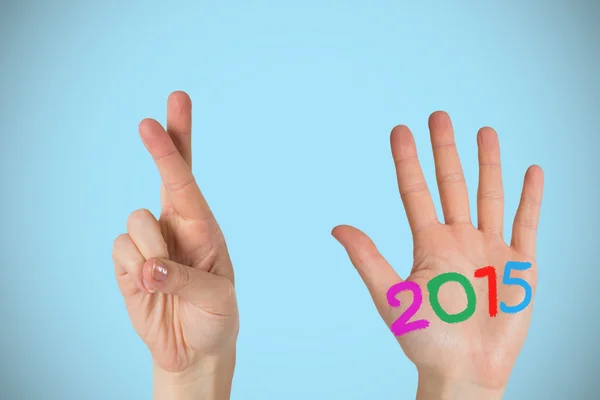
[372,267]
[212,293]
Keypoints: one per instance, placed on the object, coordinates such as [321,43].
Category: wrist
[209,379]
[436,387]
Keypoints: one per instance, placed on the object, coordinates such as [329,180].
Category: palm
[481,348]
[176,330]
[464,249]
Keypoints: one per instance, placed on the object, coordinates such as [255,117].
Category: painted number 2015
[403,325]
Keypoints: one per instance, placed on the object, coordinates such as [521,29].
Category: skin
[189,320]
[471,359]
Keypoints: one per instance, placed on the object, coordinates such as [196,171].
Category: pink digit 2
[401,326]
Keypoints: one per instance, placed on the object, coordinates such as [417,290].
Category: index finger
[176,174]
[414,192]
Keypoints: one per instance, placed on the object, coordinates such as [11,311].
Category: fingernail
[159,271]
[147,286]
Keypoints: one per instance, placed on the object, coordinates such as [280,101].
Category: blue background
[293,105]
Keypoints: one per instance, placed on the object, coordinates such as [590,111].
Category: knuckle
[169,153]
[132,266]
[528,224]
[493,231]
[490,169]
[139,218]
[401,160]
[458,219]
[119,244]
[448,147]
[122,257]
[140,214]
[368,257]
[417,187]
[182,279]
[179,186]
[451,177]
[425,225]
[491,195]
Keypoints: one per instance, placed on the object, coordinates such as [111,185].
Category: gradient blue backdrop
[293,105]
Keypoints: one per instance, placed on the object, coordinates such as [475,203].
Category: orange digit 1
[490,272]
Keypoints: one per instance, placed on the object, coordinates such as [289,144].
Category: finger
[128,263]
[528,213]
[179,127]
[415,195]
[450,178]
[179,123]
[212,293]
[178,180]
[144,230]
[372,267]
[490,194]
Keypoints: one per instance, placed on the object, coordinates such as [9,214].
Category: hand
[474,358]
[175,273]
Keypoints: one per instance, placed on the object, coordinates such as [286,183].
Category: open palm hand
[481,350]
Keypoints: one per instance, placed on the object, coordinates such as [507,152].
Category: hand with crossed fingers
[175,273]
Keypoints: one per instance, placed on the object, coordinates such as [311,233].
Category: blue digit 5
[508,280]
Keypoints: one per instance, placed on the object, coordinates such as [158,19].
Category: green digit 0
[434,285]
